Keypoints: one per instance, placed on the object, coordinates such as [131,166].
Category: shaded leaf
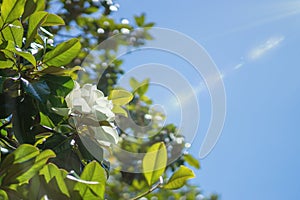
[38,90]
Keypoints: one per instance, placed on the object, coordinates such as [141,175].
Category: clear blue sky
[256,45]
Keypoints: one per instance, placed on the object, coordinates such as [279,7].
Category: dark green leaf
[59,85]
[38,90]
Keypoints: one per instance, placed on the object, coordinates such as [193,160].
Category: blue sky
[255,44]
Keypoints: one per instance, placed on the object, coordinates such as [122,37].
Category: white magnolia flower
[91,102]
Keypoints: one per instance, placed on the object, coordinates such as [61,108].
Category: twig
[147,192]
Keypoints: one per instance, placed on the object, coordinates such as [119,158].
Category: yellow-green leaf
[179,178]
[92,172]
[51,172]
[192,161]
[12,10]
[154,162]
[53,20]
[63,54]
[120,97]
[119,110]
[14,32]
[35,22]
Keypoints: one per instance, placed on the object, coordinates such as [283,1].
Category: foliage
[47,120]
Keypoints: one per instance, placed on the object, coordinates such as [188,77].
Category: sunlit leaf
[154,162]
[50,172]
[191,161]
[35,21]
[63,54]
[119,110]
[95,173]
[179,178]
[14,32]
[53,20]
[12,10]
[120,97]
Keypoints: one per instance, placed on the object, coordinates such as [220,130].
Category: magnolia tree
[58,120]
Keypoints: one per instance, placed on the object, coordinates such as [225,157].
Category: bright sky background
[256,45]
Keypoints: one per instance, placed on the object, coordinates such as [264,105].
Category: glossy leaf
[38,90]
[92,172]
[63,54]
[59,85]
[12,10]
[154,162]
[179,178]
[35,22]
[120,97]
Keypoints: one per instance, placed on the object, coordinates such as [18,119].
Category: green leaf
[154,162]
[179,178]
[53,20]
[35,22]
[26,55]
[191,161]
[46,121]
[12,10]
[14,32]
[38,90]
[120,97]
[11,49]
[119,110]
[95,173]
[5,62]
[23,153]
[32,6]
[3,195]
[59,85]
[61,71]
[63,54]
[140,20]
[50,172]
[140,88]
[22,172]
